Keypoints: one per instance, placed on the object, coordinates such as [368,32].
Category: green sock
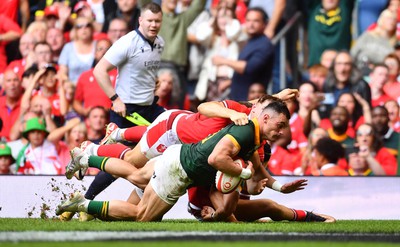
[98,162]
[98,208]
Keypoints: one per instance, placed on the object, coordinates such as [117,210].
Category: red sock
[133,134]
[113,150]
[299,215]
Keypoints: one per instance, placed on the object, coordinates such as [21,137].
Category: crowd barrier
[345,198]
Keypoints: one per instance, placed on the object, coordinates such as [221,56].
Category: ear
[266,117]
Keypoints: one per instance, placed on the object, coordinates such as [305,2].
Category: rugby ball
[226,183]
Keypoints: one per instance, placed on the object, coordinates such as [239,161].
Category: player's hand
[256,188]
[287,94]
[206,213]
[119,107]
[239,118]
[293,186]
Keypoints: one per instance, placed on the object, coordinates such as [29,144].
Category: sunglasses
[364,132]
[79,26]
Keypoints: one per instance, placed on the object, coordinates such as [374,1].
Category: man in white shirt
[137,56]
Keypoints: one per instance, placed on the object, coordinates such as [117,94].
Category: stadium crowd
[349,88]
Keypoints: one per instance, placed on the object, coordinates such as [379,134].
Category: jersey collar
[144,38]
[256,131]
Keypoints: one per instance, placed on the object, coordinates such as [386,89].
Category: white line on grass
[35,236]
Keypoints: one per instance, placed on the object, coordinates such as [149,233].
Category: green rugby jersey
[194,157]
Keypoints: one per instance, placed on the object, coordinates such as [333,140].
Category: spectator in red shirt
[10,103]
[26,46]
[9,31]
[378,78]
[88,93]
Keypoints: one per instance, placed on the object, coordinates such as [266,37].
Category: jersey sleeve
[233,105]
[118,52]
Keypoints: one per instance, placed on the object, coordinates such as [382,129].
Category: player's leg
[113,166]
[251,210]
[104,210]
[168,183]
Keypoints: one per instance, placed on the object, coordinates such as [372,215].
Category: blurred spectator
[256,90]
[343,77]
[358,166]
[281,161]
[77,56]
[378,78]
[317,75]
[380,122]
[306,105]
[371,148]
[182,5]
[6,159]
[118,28]
[45,84]
[392,87]
[328,24]
[15,9]
[197,51]
[174,32]
[51,16]
[96,121]
[26,46]
[339,120]
[368,13]
[83,9]
[39,107]
[39,156]
[275,10]
[255,60]
[88,92]
[220,39]
[373,46]
[66,137]
[168,90]
[55,39]
[394,114]
[10,103]
[38,29]
[326,154]
[128,10]
[9,31]
[41,56]
[327,57]
[307,160]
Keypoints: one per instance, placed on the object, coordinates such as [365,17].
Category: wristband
[277,186]
[212,216]
[246,173]
[114,97]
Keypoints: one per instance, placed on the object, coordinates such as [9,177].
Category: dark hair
[358,111]
[380,65]
[41,43]
[330,149]
[279,107]
[153,7]
[30,71]
[261,11]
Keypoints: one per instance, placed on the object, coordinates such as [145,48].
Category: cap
[35,124]
[5,150]
[51,11]
[50,67]
[80,5]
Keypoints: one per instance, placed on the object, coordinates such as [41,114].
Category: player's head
[262,102]
[150,20]
[273,119]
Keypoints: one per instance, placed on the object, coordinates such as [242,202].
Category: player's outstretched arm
[217,109]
